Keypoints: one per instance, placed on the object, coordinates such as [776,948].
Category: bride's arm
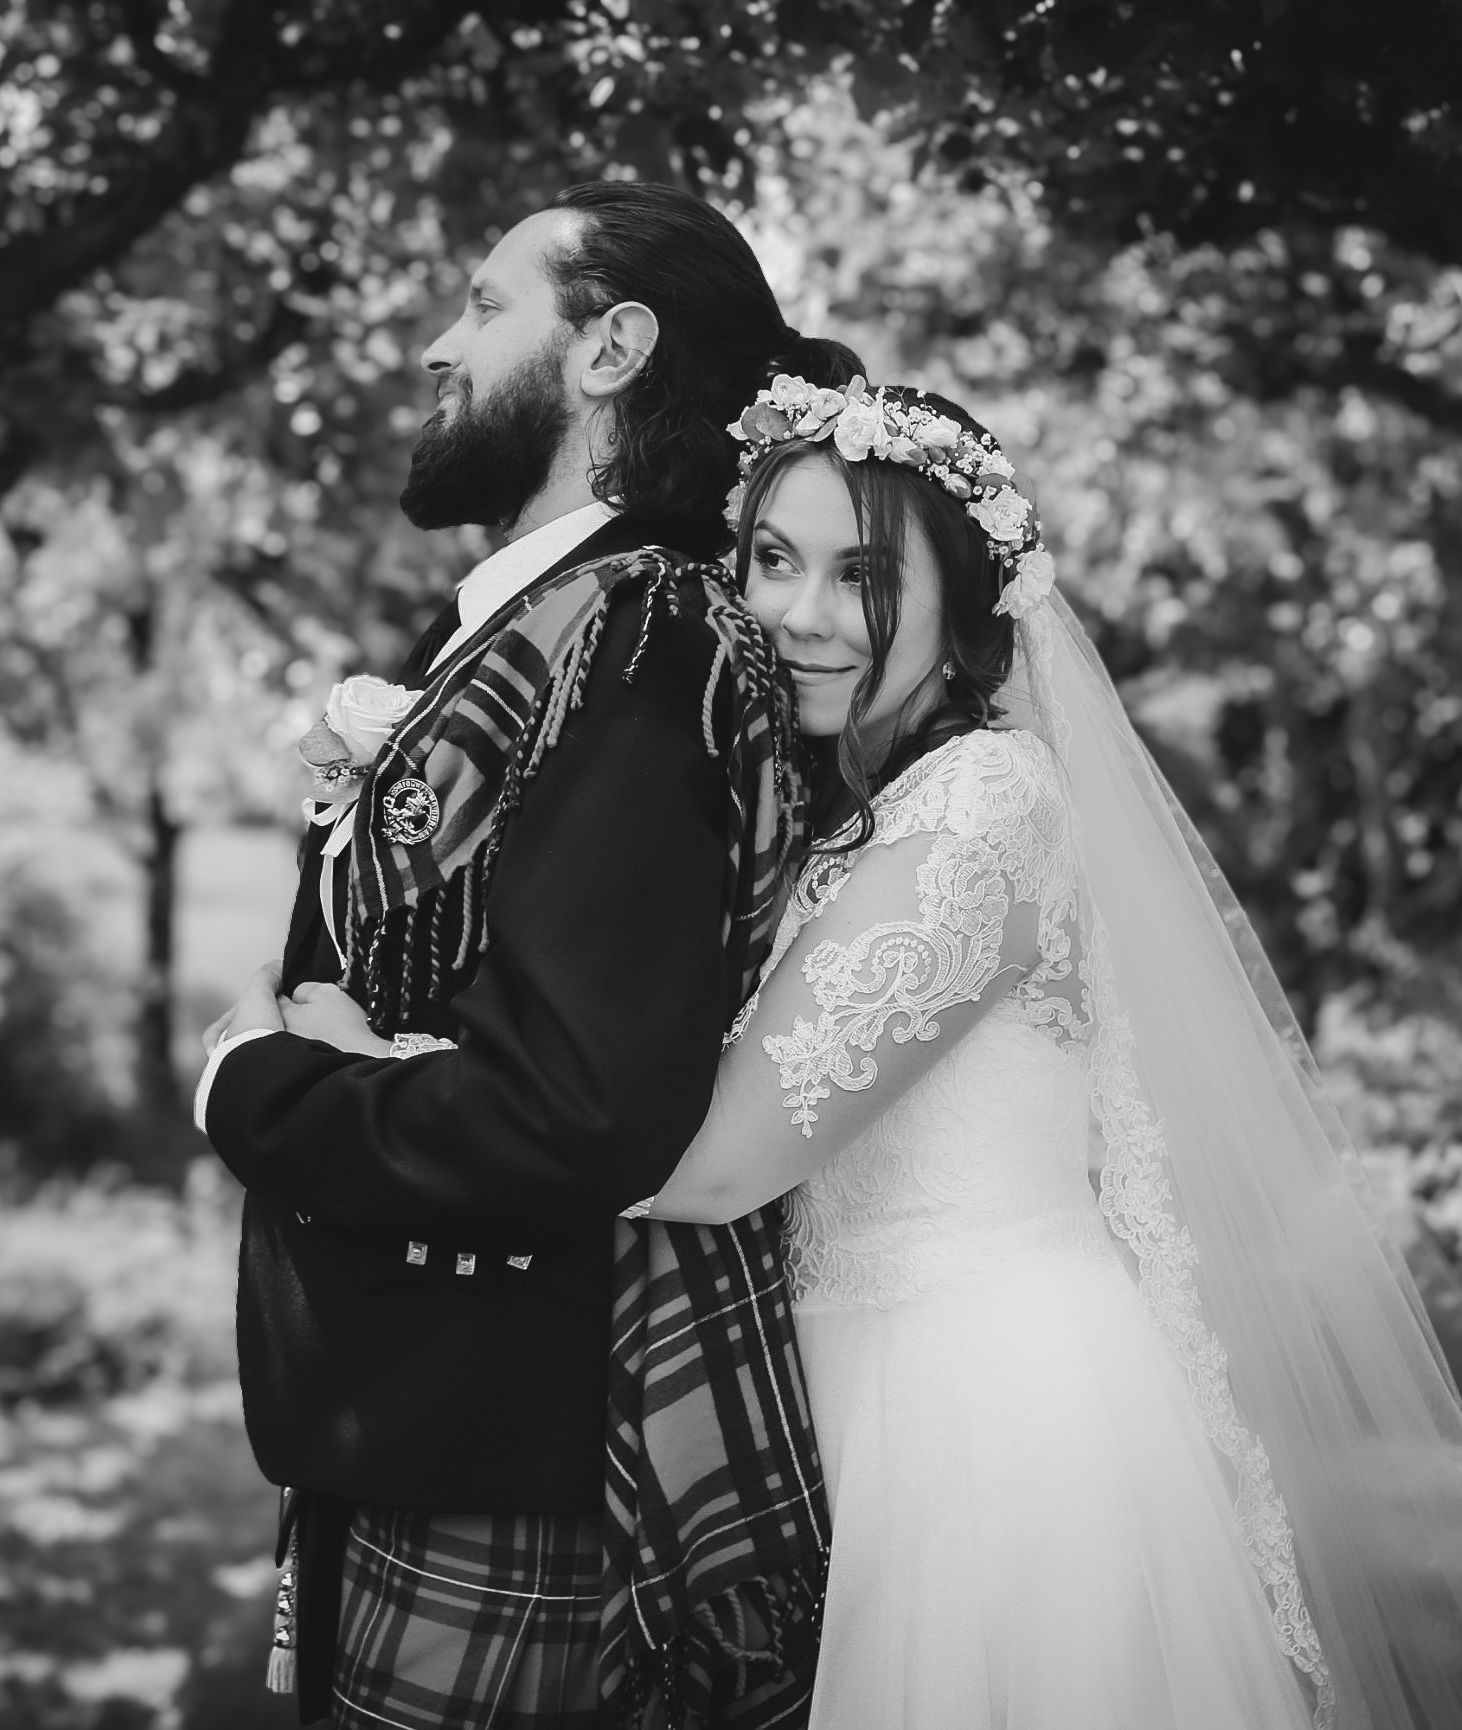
[923,938]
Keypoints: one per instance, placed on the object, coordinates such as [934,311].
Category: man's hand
[325,1012]
[257,1007]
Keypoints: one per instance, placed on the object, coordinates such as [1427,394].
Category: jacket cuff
[230,1042]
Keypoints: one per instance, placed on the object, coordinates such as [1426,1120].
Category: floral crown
[969,466]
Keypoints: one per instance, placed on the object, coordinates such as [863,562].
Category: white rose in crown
[787,393]
[1003,517]
[862,428]
[806,405]
[939,432]
[1035,577]
[361,713]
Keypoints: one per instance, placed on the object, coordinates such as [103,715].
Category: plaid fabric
[716,1524]
[456,1624]
[716,1528]
[479,734]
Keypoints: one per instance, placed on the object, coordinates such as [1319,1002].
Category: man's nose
[442,355]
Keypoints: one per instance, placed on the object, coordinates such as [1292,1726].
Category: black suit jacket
[309,952]
[588,1042]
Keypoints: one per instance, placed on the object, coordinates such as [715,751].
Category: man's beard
[492,457]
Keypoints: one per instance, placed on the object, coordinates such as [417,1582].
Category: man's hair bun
[818,359]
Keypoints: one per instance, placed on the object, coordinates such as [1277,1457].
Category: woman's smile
[805,670]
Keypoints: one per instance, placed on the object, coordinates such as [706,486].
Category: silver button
[520,1262]
[416,1254]
[466,1261]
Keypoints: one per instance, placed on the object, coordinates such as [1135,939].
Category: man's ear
[627,335]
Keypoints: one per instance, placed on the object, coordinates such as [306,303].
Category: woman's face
[805,585]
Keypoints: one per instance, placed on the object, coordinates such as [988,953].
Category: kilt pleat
[479,1622]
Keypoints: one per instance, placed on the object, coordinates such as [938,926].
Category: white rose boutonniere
[361,713]
[365,711]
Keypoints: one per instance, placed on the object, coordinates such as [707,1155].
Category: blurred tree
[1201,259]
[122,654]
[1262,556]
[128,119]
[47,1077]
[1209,120]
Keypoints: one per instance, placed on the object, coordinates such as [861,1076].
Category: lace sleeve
[895,978]
[883,962]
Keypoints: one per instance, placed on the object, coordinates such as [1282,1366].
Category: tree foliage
[264,149]
[1212,120]
[1200,259]
[1264,552]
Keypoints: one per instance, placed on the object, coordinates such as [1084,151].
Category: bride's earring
[948,670]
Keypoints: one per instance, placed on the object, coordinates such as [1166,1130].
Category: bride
[1130,1419]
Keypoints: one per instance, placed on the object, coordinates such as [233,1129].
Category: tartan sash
[477,735]
[714,1497]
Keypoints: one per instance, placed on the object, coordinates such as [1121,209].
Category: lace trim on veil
[1136,1199]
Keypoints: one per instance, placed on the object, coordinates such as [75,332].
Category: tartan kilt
[483,1620]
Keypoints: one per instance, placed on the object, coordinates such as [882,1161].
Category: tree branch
[379,61]
[141,20]
[204,384]
[205,134]
[1280,369]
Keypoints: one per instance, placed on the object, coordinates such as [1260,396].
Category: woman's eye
[769,559]
[854,576]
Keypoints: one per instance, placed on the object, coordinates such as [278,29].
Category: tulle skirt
[1030,1529]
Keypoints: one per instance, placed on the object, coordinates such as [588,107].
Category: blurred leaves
[104,1290]
[191,189]
[136,1540]
[136,1537]
[1261,530]
[1201,264]
[1198,265]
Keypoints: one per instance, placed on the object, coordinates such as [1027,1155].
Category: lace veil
[1230,1179]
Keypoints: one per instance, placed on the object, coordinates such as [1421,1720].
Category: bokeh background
[1198,263]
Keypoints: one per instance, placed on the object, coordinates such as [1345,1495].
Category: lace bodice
[985,1153]
[938,1039]
[983,1159]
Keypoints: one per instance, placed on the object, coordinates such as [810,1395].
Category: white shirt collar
[507,572]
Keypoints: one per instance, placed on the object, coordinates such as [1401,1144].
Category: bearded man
[562,868]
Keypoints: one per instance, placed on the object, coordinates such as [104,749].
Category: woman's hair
[722,336]
[978,643]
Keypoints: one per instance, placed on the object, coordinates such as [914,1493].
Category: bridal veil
[1258,1249]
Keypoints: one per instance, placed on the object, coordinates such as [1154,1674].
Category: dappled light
[1201,271]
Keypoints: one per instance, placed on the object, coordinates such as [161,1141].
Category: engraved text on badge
[409,812]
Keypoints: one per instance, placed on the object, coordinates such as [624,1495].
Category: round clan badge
[409,812]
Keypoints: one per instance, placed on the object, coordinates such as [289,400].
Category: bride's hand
[256,1008]
[325,1012]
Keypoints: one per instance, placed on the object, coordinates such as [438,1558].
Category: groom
[573,918]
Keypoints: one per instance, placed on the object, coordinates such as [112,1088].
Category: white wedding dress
[1033,1528]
